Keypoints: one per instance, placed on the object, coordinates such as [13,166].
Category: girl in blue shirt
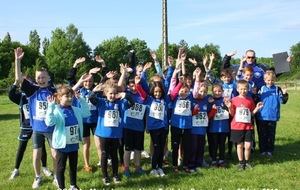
[68,131]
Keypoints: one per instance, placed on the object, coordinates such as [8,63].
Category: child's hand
[77,94]
[153,55]
[170,60]
[193,61]
[121,95]
[181,79]
[111,74]
[232,53]
[78,61]
[210,99]
[211,56]
[99,59]
[284,89]
[19,54]
[137,80]
[94,70]
[227,102]
[85,77]
[259,105]
[50,99]
[147,66]
[98,88]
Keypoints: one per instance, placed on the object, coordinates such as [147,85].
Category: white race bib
[111,118]
[183,107]
[25,108]
[242,115]
[40,109]
[227,93]
[72,134]
[137,111]
[200,119]
[221,114]
[157,110]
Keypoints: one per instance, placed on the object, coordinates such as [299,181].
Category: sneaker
[204,163]
[55,182]
[116,179]
[186,169]
[154,172]
[87,168]
[37,183]
[269,154]
[126,173]
[214,165]
[99,164]
[223,164]
[109,162]
[175,168]
[140,171]
[248,165]
[160,172]
[145,154]
[198,168]
[192,170]
[46,172]
[263,153]
[14,174]
[106,181]
[72,187]
[241,167]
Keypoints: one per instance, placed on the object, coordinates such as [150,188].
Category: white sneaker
[37,183]
[154,172]
[109,162]
[160,172]
[145,154]
[99,163]
[46,172]
[14,174]
[55,182]
[131,155]
[204,163]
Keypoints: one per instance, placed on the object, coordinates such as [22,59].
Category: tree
[63,50]
[295,53]
[7,38]
[34,40]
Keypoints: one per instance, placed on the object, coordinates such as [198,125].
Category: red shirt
[241,109]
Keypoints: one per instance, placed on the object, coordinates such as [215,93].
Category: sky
[266,26]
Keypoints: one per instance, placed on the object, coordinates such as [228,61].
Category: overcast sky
[267,26]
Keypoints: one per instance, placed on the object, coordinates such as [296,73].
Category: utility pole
[164,34]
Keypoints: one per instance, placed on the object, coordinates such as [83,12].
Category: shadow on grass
[9,116]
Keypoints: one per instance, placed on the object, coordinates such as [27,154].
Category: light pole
[164,34]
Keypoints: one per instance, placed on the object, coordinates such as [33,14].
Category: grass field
[282,171]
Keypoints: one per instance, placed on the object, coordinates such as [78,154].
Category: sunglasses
[251,57]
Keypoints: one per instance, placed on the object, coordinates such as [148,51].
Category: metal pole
[164,34]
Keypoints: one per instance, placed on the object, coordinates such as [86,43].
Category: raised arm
[156,63]
[19,54]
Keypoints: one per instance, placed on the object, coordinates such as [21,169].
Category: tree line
[58,54]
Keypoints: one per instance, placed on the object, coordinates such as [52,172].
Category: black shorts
[238,136]
[25,135]
[133,140]
[87,128]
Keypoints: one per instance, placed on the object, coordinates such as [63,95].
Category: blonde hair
[269,73]
[62,90]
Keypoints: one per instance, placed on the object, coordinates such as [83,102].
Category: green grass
[282,171]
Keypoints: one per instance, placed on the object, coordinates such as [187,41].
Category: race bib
[242,115]
[221,114]
[40,109]
[200,120]
[72,134]
[183,107]
[137,111]
[25,109]
[227,93]
[157,110]
[111,118]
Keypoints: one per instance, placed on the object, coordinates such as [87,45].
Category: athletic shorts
[25,135]
[87,128]
[38,139]
[238,136]
[133,140]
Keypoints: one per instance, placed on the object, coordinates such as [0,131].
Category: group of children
[118,111]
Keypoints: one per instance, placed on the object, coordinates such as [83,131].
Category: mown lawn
[282,171]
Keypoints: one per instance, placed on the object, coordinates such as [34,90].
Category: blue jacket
[271,97]
[55,116]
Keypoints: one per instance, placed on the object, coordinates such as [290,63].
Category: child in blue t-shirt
[109,128]
[68,131]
